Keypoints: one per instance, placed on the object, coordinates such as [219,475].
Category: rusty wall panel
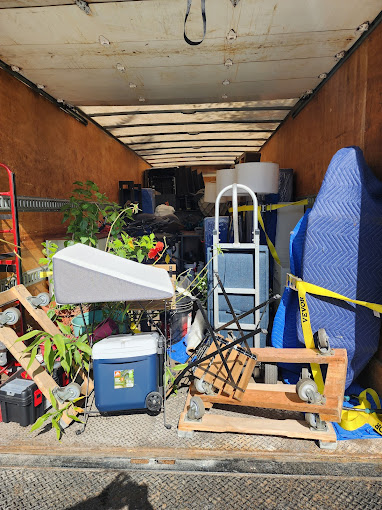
[346,111]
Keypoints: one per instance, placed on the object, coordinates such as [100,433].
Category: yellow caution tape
[352,420]
[349,418]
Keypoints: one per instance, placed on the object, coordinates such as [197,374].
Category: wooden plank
[236,371]
[40,376]
[6,297]
[222,374]
[244,379]
[20,293]
[271,354]
[201,369]
[264,426]
[277,400]
[335,386]
[288,388]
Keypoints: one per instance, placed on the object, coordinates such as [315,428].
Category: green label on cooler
[123,378]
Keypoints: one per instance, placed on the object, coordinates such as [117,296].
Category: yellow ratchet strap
[45,274]
[270,207]
[302,288]
[271,246]
[352,420]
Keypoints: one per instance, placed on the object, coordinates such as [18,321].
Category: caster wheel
[154,402]
[202,387]
[271,373]
[44,298]
[12,315]
[306,389]
[196,410]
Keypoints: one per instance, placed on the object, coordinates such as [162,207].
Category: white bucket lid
[126,346]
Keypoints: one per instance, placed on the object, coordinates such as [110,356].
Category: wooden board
[38,373]
[271,354]
[40,376]
[264,426]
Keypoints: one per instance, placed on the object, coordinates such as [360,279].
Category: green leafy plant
[71,352]
[88,207]
[137,248]
[56,414]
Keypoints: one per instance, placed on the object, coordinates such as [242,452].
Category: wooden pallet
[271,396]
[8,336]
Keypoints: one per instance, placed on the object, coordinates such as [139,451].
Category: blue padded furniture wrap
[343,253]
[284,330]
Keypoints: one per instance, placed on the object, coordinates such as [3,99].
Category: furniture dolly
[41,377]
[222,376]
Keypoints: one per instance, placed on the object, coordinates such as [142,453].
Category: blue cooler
[126,371]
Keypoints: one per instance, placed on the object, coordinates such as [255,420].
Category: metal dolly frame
[236,246]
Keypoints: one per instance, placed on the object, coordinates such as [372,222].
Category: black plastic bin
[21,401]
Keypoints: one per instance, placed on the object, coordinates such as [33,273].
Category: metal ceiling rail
[64,3]
[196,156]
[201,150]
[225,142]
[198,133]
[193,111]
[230,141]
[199,122]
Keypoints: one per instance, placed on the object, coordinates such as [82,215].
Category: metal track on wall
[33,204]
[29,278]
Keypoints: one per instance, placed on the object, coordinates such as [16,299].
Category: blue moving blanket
[342,252]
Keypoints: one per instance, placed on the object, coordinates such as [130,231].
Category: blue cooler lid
[126,346]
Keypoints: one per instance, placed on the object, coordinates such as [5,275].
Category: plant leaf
[53,400]
[74,418]
[59,342]
[57,427]
[47,351]
[40,421]
[33,356]
[28,335]
[65,329]
[77,357]
[84,347]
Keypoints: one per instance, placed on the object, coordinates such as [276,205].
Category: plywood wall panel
[48,150]
[346,111]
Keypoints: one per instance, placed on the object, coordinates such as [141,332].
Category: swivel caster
[42,299]
[10,317]
[202,387]
[307,389]
[196,409]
